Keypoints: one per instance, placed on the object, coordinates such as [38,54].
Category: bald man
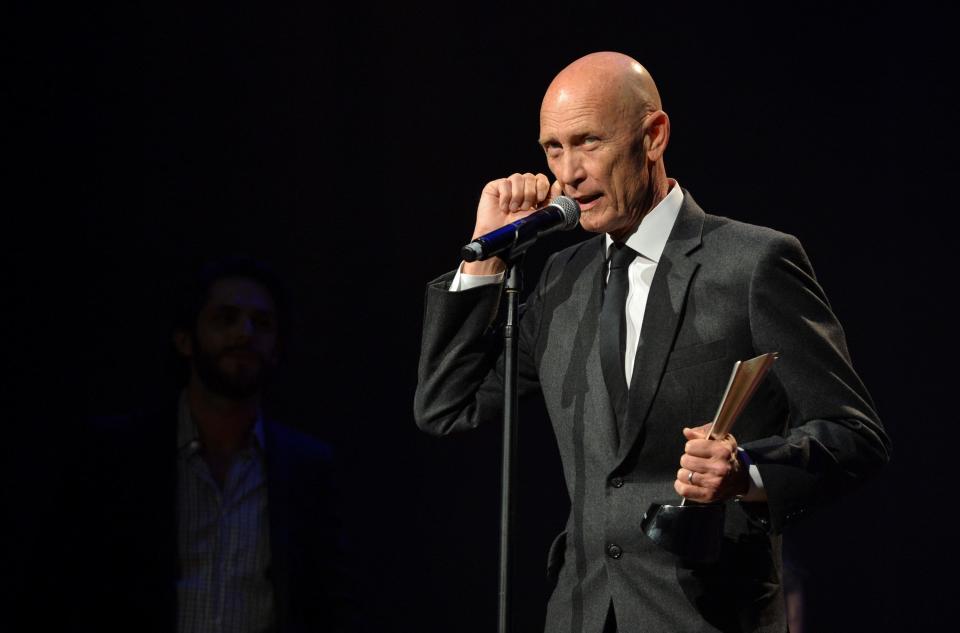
[701,292]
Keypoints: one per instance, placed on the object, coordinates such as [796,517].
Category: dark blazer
[124,558]
[723,291]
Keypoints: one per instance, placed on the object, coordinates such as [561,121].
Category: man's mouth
[243,355]
[588,202]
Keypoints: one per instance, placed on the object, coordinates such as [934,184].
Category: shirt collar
[651,235]
[188,437]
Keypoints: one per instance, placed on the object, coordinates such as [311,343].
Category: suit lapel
[583,418]
[665,305]
[581,309]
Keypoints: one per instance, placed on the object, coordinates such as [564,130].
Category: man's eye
[589,140]
[552,149]
[224,317]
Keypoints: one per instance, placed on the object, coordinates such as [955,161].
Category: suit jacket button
[616,482]
[614,551]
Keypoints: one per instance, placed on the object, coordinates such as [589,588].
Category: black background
[347,146]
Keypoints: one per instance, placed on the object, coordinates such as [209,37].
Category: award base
[693,532]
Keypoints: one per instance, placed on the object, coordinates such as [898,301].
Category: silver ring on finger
[690,478]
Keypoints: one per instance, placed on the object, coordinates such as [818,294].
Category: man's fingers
[508,199]
[516,192]
[712,467]
[703,489]
[699,479]
[704,429]
[530,198]
[697,432]
[543,188]
[693,492]
[703,465]
[504,189]
[708,449]
[556,189]
[521,192]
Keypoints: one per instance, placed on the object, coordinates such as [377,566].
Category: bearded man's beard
[235,386]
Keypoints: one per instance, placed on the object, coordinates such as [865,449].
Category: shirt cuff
[756,492]
[463,281]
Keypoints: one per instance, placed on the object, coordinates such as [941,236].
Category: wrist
[492,266]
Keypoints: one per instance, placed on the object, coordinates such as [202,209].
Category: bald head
[604,135]
[614,78]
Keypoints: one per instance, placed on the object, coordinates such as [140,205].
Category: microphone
[562,213]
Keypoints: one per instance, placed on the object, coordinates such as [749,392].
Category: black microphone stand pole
[513,287]
[510,243]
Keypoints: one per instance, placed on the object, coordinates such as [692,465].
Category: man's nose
[246,327]
[571,170]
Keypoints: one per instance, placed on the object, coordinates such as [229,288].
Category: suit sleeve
[460,375]
[834,437]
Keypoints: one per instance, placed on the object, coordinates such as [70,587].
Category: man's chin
[235,390]
[233,383]
[592,222]
[245,382]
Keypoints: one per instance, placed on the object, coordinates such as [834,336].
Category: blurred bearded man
[206,515]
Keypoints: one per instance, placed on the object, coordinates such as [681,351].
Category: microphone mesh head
[570,210]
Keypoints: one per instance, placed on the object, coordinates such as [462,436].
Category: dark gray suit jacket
[723,291]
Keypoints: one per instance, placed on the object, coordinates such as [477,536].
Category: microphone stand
[514,284]
[510,243]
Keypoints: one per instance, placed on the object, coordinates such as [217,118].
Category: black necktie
[613,329]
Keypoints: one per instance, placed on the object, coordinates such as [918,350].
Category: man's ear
[656,135]
[183,342]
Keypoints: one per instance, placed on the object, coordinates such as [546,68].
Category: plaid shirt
[224,538]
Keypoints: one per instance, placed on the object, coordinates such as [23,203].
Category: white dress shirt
[648,241]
